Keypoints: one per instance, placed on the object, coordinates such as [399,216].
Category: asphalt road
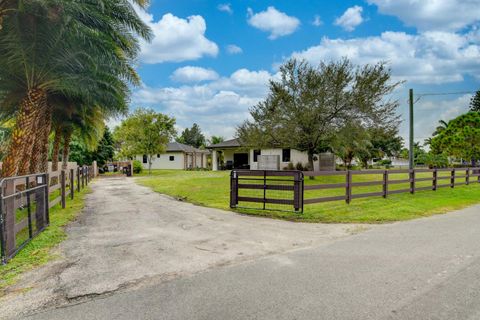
[422,269]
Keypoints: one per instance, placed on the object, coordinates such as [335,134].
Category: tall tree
[215,139]
[192,136]
[461,139]
[105,149]
[475,102]
[308,104]
[144,132]
[81,49]
[350,142]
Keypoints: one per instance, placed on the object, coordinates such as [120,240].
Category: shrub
[299,166]
[290,166]
[137,166]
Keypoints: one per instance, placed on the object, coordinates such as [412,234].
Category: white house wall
[164,161]
[295,157]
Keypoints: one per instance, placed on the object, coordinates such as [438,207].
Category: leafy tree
[144,132]
[309,104]
[105,149]
[475,102]
[215,139]
[192,137]
[461,139]
[350,142]
[418,152]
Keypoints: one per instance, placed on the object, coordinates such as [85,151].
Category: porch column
[214,160]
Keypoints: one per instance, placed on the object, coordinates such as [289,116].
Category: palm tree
[88,57]
[442,126]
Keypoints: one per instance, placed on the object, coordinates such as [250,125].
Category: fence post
[63,187]
[435,179]
[233,189]
[385,183]
[29,209]
[298,191]
[83,177]
[78,179]
[452,178]
[467,177]
[9,223]
[412,181]
[72,182]
[348,188]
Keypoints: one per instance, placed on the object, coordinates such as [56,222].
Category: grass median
[211,189]
[39,250]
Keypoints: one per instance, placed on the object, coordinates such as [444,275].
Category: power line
[444,93]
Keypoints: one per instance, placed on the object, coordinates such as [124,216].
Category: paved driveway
[129,237]
[422,269]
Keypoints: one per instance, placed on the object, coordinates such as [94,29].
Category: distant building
[177,156]
[238,156]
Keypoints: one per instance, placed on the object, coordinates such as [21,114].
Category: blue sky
[210,61]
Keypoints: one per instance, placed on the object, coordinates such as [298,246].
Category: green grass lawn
[39,250]
[211,189]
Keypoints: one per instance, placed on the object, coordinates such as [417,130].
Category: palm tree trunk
[67,137]
[23,134]
[44,134]
[56,147]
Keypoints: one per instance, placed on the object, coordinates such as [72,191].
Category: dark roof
[233,143]
[180,147]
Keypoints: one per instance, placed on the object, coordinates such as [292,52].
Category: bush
[290,166]
[137,166]
[299,166]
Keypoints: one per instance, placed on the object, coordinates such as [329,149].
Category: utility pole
[411,145]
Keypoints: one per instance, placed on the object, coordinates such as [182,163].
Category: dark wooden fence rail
[302,193]
[455,177]
[25,204]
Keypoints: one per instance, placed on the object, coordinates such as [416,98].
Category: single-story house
[177,156]
[238,156]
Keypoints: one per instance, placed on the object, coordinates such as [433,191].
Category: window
[145,158]
[172,158]
[158,155]
[285,155]
[256,153]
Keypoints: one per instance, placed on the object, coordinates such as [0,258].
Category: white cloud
[225,7]
[271,20]
[234,49]
[218,106]
[429,58]
[432,14]
[351,18]
[176,39]
[317,21]
[430,110]
[193,74]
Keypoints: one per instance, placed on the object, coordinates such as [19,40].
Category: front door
[240,161]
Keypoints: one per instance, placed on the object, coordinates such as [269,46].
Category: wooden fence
[25,203]
[324,186]
[389,178]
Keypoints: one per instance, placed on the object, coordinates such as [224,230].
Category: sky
[210,61]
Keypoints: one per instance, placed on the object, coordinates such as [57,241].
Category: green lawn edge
[39,251]
[211,189]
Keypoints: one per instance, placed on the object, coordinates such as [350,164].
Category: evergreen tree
[475,102]
[192,136]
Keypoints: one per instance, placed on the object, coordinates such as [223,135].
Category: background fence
[293,189]
[25,203]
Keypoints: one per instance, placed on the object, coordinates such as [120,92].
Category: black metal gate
[24,211]
[267,188]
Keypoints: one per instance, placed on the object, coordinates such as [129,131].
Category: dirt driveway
[129,236]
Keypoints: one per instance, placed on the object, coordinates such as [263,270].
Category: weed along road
[136,254]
